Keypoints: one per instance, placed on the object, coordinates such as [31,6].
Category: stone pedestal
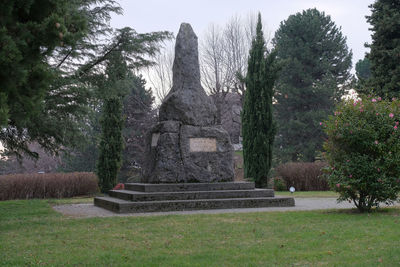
[179,153]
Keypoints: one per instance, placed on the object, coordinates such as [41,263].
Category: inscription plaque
[203,144]
[154,139]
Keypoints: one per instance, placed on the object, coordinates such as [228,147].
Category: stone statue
[187,145]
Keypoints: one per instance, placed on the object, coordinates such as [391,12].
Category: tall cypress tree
[258,127]
[111,144]
[111,141]
[385,48]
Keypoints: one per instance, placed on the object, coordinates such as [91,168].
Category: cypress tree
[258,127]
[111,144]
[385,48]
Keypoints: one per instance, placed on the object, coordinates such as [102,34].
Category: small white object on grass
[292,189]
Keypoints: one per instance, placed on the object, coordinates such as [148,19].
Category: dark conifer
[258,127]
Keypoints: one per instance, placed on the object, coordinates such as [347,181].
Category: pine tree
[363,69]
[258,127]
[385,48]
[363,73]
[315,75]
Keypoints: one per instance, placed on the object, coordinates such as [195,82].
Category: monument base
[142,197]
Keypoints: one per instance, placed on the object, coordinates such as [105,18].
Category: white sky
[158,15]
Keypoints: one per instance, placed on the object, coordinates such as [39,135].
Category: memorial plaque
[154,139]
[203,144]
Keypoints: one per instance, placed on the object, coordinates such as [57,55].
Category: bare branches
[160,75]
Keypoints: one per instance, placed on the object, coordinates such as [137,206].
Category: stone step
[186,195]
[144,187]
[123,206]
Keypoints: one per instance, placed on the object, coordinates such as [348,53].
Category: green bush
[279,184]
[363,151]
[304,176]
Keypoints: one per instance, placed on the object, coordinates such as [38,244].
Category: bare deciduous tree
[223,57]
[159,76]
[223,54]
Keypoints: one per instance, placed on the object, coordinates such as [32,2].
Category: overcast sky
[157,15]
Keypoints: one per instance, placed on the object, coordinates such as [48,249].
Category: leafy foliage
[257,117]
[363,150]
[385,48]
[315,75]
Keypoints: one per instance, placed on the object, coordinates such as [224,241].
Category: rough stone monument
[190,158]
[187,145]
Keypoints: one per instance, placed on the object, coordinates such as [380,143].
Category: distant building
[231,117]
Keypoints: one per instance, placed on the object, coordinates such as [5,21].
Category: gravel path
[89,210]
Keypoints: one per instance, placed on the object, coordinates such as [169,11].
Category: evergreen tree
[30,33]
[385,48]
[258,127]
[139,118]
[363,73]
[52,55]
[363,69]
[315,75]
[111,144]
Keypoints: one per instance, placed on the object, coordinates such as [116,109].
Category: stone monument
[190,157]
[187,145]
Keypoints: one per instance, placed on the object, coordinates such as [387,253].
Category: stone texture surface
[181,187]
[124,206]
[187,101]
[171,160]
[187,113]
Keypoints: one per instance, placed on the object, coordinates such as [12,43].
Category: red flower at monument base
[119,186]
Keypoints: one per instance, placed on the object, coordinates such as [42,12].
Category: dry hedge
[304,176]
[47,185]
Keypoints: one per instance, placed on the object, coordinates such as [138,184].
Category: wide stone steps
[139,197]
[142,187]
[124,206]
[187,195]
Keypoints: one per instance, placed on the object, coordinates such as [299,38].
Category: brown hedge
[304,176]
[47,185]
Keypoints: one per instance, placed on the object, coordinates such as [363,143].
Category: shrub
[279,184]
[49,185]
[363,151]
[304,176]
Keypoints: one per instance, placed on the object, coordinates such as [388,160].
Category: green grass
[239,153]
[32,234]
[304,194]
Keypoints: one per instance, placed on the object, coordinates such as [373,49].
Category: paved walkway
[89,210]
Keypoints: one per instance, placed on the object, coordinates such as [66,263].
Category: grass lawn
[32,234]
